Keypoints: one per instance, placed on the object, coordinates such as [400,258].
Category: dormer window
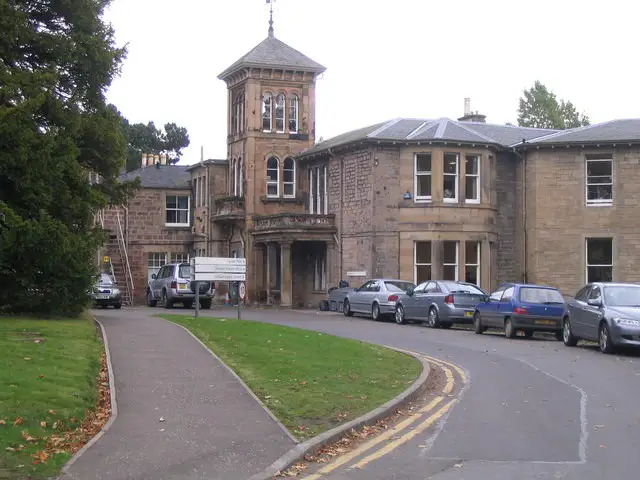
[280,113]
[293,114]
[267,110]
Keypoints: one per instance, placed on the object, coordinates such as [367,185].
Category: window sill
[176,225]
[610,204]
[282,200]
[472,202]
[422,200]
[449,200]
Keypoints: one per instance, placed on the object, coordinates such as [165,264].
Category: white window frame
[195,190]
[167,210]
[265,108]
[232,178]
[606,202]
[311,196]
[475,176]
[156,259]
[320,273]
[586,257]
[294,106]
[456,265]
[421,198]
[456,178]
[416,264]
[293,182]
[181,256]
[275,182]
[240,168]
[280,102]
[205,200]
[475,265]
[318,204]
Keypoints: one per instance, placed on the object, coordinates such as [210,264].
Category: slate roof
[272,52]
[442,129]
[166,176]
[621,131]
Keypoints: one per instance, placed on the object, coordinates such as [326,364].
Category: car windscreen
[622,296]
[185,271]
[398,286]
[454,287]
[105,279]
[540,295]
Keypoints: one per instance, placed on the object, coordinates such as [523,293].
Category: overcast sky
[401,58]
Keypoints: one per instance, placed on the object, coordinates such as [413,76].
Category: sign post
[219,269]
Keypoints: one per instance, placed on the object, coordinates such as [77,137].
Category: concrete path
[212,429]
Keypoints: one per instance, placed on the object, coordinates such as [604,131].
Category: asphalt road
[530,408]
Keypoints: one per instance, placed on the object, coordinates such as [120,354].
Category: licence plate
[468,314]
[545,322]
[183,286]
[103,297]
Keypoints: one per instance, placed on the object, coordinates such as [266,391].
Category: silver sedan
[440,303]
[376,298]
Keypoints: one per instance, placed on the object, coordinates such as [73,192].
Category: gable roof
[613,131]
[161,176]
[272,52]
[439,130]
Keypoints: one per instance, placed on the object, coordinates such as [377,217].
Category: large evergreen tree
[57,58]
[539,108]
[147,138]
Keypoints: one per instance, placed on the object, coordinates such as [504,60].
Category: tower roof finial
[270,2]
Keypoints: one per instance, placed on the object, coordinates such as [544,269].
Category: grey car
[106,293]
[608,313]
[376,298]
[440,303]
[173,285]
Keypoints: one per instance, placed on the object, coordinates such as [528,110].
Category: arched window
[240,168]
[232,177]
[239,108]
[289,178]
[280,113]
[234,116]
[293,114]
[267,112]
[273,177]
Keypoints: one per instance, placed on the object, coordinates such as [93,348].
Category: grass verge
[311,381]
[49,373]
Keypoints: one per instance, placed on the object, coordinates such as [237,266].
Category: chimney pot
[467,106]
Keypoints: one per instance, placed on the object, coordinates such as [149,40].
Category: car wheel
[528,333]
[206,303]
[165,300]
[604,339]
[400,318]
[509,331]
[567,337]
[151,302]
[375,312]
[187,304]
[346,310]
[477,324]
[433,320]
[117,306]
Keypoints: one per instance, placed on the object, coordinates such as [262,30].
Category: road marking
[390,447]
[448,388]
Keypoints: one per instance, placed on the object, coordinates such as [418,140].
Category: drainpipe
[341,212]
[525,273]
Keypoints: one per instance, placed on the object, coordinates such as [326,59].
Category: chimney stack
[143,163]
[467,106]
[163,159]
[470,116]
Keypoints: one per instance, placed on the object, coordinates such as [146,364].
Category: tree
[148,138]
[56,61]
[539,108]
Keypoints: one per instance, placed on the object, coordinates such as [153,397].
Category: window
[293,114]
[450,260]
[280,113]
[320,273]
[234,116]
[195,190]
[422,262]
[177,210]
[232,177]
[180,257]
[472,262]
[318,198]
[595,294]
[599,260]
[507,295]
[156,260]
[420,288]
[497,294]
[289,178]
[240,184]
[462,287]
[184,271]
[599,179]
[422,177]
[540,295]
[267,106]
[273,177]
[472,179]
[205,191]
[626,296]
[582,293]
[239,113]
[398,286]
[450,177]
[432,287]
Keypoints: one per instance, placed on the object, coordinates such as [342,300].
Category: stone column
[271,270]
[258,271]
[436,259]
[286,288]
[330,256]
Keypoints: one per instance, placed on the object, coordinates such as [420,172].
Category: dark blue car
[522,307]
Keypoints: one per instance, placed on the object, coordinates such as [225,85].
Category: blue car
[522,307]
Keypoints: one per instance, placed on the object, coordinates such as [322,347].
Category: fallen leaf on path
[3,422]
[41,376]
[40,457]
[18,421]
[43,424]
[51,412]
[28,437]
[27,358]
[10,449]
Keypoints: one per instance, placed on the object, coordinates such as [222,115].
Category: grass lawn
[48,377]
[311,381]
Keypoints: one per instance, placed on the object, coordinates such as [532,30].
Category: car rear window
[184,271]
[399,286]
[622,296]
[454,287]
[540,295]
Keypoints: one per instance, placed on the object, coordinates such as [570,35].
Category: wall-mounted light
[407,196]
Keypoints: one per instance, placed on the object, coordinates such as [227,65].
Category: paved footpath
[212,429]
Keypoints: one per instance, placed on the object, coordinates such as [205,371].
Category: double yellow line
[391,446]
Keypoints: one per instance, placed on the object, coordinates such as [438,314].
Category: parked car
[608,313]
[376,298]
[173,285]
[440,303]
[522,307]
[337,296]
[106,293]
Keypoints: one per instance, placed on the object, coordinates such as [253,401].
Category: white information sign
[211,269]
